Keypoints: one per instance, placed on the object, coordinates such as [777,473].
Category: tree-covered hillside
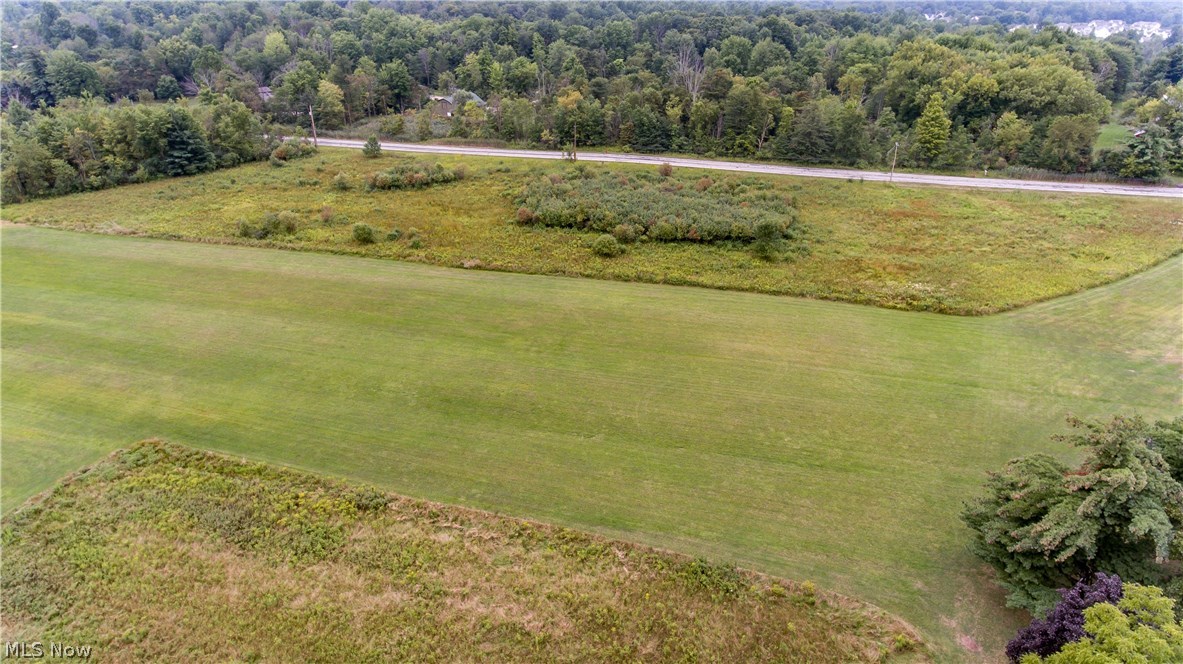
[808,83]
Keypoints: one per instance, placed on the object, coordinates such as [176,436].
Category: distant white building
[1102,29]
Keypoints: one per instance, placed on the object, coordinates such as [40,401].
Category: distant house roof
[265,92]
[451,99]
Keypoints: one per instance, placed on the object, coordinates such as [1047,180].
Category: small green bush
[769,241]
[664,232]
[369,499]
[718,579]
[607,246]
[363,233]
[341,182]
[285,222]
[627,233]
[394,234]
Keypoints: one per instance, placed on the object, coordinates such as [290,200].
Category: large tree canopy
[1043,525]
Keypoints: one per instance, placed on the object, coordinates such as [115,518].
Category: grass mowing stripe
[816,440]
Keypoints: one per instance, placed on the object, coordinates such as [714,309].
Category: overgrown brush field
[935,249]
[650,207]
[164,553]
[810,440]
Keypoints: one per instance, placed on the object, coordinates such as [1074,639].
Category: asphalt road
[800,171]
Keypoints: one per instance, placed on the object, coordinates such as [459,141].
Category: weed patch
[657,208]
[254,562]
[412,176]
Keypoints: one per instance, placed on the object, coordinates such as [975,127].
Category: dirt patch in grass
[160,550]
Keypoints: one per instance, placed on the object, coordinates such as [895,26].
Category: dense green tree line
[86,144]
[802,83]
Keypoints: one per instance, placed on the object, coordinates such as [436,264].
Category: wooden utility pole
[895,154]
[313,119]
[575,142]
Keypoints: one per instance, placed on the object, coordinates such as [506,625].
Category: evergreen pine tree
[1044,525]
[372,148]
[650,132]
[187,151]
[810,138]
[932,129]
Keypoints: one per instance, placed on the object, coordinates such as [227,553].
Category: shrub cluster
[1103,621]
[282,223]
[645,206]
[1065,622]
[412,176]
[292,148]
[391,126]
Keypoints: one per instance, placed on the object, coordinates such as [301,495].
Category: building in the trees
[445,105]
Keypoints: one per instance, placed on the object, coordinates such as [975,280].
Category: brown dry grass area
[163,553]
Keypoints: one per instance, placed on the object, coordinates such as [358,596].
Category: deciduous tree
[1068,146]
[1010,135]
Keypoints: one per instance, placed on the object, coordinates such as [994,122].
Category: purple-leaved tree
[1065,622]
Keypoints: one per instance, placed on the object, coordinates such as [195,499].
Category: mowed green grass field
[816,440]
[1112,137]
